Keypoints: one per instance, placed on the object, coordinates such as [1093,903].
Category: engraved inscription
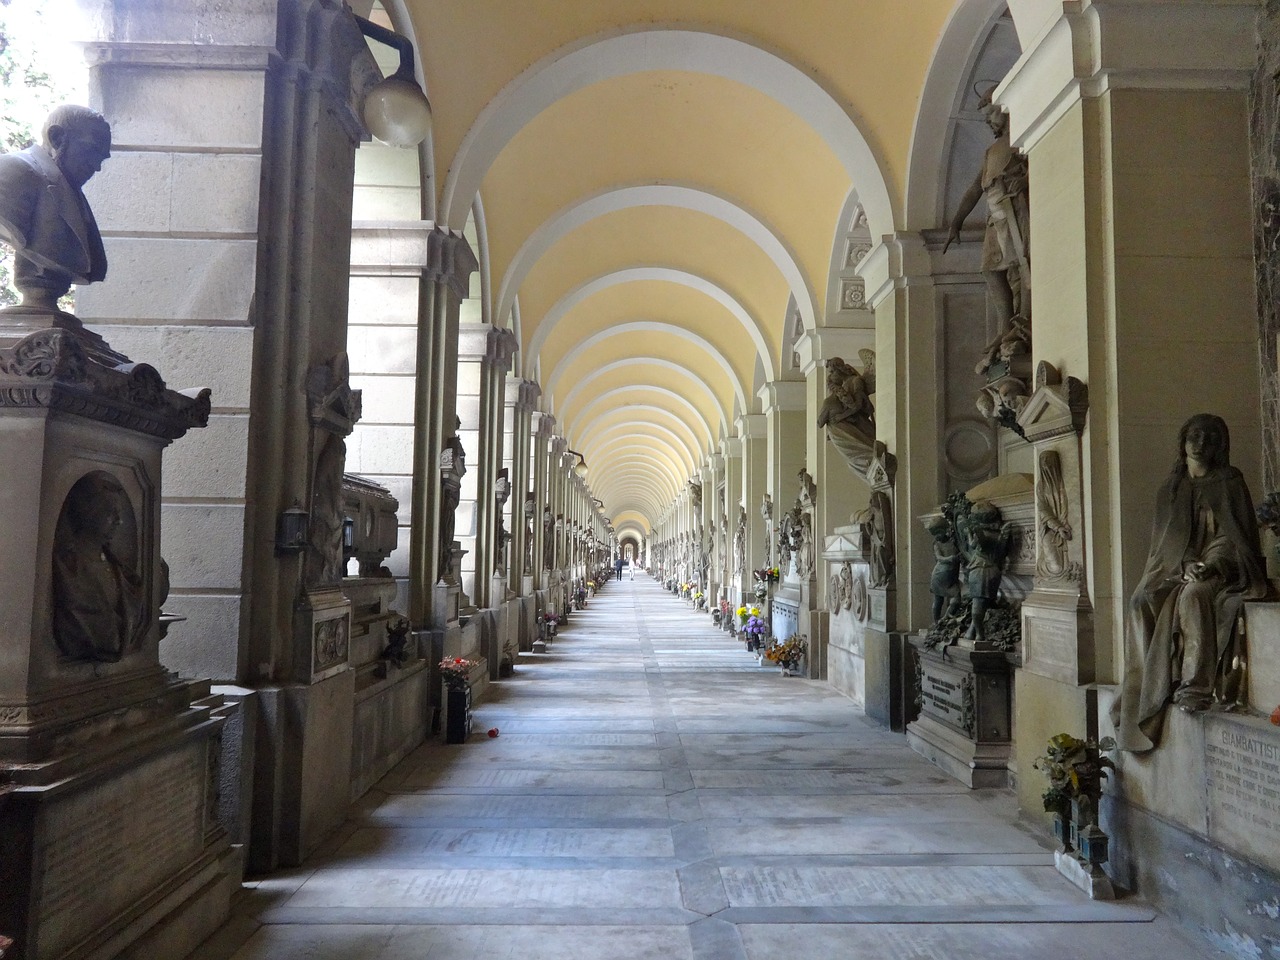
[1051,645]
[1243,767]
[943,699]
[106,846]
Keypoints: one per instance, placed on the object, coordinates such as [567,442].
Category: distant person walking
[617,565]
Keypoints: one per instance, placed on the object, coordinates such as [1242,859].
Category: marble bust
[43,211]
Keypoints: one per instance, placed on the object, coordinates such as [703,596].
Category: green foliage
[1075,768]
[28,92]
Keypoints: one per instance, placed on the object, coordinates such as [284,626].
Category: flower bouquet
[787,654]
[1076,769]
[454,672]
[754,628]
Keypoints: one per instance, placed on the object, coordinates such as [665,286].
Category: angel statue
[848,414]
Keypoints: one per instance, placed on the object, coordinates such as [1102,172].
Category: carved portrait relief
[99,602]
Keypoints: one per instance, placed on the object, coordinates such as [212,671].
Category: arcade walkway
[656,795]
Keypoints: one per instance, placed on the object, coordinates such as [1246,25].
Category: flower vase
[457,717]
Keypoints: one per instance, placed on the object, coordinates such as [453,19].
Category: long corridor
[654,793]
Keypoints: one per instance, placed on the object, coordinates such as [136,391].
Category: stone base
[125,854]
[1097,887]
[391,719]
[539,646]
[976,765]
[1173,869]
[303,747]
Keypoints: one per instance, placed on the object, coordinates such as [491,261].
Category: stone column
[731,451]
[752,428]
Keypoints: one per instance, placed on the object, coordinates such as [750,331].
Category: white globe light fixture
[396,111]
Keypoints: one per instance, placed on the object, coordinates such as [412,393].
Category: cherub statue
[985,542]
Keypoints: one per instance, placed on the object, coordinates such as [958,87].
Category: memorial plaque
[104,844]
[943,696]
[1242,764]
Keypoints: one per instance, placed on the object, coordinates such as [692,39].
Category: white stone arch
[626,451]
[686,197]
[695,381]
[641,326]
[648,428]
[645,414]
[593,59]
[945,84]
[633,391]
[750,325]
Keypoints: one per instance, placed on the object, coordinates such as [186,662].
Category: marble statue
[501,494]
[1182,645]
[548,539]
[985,543]
[847,412]
[879,519]
[944,581]
[324,539]
[43,212]
[453,466]
[784,541]
[740,543]
[695,494]
[1053,525]
[99,604]
[766,514]
[530,507]
[1002,180]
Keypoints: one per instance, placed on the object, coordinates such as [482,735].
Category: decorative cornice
[782,395]
[1108,45]
[894,262]
[50,369]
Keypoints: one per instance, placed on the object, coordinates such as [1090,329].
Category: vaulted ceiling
[661,187]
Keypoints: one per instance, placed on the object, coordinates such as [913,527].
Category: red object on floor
[493,731]
[1275,716]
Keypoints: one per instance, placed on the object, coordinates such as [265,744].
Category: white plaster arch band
[590,60]
[645,326]
[640,464]
[634,529]
[750,325]
[636,391]
[596,437]
[643,502]
[639,409]
[697,382]
[647,415]
[622,455]
[948,67]
[609,201]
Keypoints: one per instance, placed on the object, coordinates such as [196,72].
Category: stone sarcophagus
[110,763]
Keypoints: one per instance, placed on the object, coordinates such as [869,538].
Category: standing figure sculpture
[1182,644]
[43,212]
[944,582]
[985,542]
[766,514]
[453,465]
[1003,181]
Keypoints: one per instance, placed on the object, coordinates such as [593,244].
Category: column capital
[818,346]
[752,426]
[782,395]
[1108,45]
[892,264]
[412,248]
[731,447]
[501,347]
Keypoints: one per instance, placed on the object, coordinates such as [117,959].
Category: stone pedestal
[964,721]
[110,837]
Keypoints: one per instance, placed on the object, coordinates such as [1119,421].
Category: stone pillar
[752,428]
[783,403]
[731,451]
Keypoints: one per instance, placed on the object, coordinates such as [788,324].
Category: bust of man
[43,211]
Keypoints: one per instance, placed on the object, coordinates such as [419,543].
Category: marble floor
[654,793]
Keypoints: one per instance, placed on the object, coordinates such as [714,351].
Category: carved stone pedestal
[109,839]
[964,721]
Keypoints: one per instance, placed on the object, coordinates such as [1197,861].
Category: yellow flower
[742,611]
[755,611]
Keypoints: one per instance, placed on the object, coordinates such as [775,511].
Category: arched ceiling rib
[660,185]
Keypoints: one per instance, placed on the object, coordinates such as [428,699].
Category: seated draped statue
[1182,644]
[847,412]
[99,606]
[43,212]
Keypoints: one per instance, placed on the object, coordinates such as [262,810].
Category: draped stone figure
[766,514]
[740,543]
[847,412]
[1182,645]
[453,466]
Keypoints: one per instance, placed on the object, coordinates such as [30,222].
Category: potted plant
[1076,769]
[787,654]
[455,672]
